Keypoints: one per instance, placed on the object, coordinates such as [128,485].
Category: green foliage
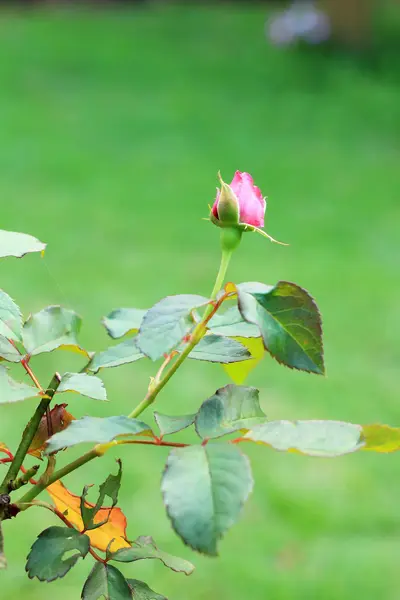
[290,325]
[166,323]
[121,354]
[52,328]
[14,391]
[168,425]
[10,318]
[315,438]
[145,548]
[231,323]
[109,488]
[204,488]
[8,351]
[105,581]
[141,591]
[45,560]
[219,349]
[230,409]
[18,244]
[96,430]
[81,383]
[122,321]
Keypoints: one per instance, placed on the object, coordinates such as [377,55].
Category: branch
[199,332]
[29,434]
[42,485]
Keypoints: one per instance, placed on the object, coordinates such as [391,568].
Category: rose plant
[205,484]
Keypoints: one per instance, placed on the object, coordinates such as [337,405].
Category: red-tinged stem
[69,524]
[198,333]
[10,458]
[156,442]
[238,440]
[166,362]
[79,462]
[7,451]
[25,364]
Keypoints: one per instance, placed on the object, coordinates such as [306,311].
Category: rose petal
[251,201]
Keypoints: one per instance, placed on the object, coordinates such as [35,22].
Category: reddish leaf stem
[10,458]
[156,442]
[25,364]
[8,452]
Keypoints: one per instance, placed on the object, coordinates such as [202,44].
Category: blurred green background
[113,126]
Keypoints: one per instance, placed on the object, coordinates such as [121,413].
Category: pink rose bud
[240,203]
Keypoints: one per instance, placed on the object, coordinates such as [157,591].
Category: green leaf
[169,425]
[105,581]
[254,287]
[18,244]
[45,560]
[166,323]
[121,354]
[122,321]
[231,323]
[314,438]
[8,351]
[141,591]
[81,383]
[381,438]
[231,408]
[10,318]
[13,391]
[145,548]
[219,349]
[109,488]
[96,430]
[51,328]
[290,325]
[204,488]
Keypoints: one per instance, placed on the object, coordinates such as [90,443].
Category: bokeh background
[114,120]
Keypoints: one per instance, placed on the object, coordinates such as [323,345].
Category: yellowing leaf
[115,528]
[74,349]
[59,419]
[381,438]
[239,371]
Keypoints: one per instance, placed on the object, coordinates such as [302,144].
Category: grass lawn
[113,126]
